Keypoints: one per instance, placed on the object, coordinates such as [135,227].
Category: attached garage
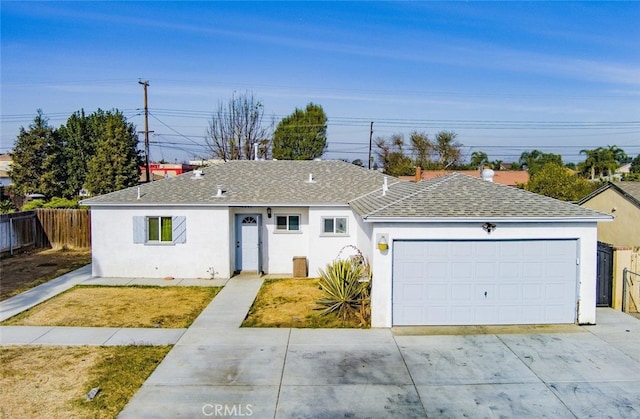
[484,282]
[457,250]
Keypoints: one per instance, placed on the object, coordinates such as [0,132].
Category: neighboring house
[5,167]
[461,251]
[503,177]
[622,200]
[164,170]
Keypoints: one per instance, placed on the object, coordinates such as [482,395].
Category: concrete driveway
[220,370]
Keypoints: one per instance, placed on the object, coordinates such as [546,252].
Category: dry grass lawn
[291,303]
[52,382]
[23,271]
[101,306]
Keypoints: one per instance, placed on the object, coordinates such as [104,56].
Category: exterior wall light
[488,227]
[383,244]
[268,212]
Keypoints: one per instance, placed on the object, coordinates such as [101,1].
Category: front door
[247,242]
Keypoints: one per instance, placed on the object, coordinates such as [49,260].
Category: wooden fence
[17,231]
[43,228]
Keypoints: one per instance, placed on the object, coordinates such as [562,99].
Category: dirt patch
[291,303]
[27,270]
[97,306]
[53,381]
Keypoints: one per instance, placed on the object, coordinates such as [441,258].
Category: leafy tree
[236,127]
[634,171]
[558,182]
[392,157]
[497,165]
[479,159]
[116,163]
[422,149]
[536,159]
[602,161]
[635,165]
[37,159]
[80,135]
[447,149]
[301,135]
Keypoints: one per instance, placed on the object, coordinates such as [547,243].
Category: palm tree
[479,158]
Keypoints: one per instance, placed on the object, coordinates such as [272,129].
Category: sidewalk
[71,336]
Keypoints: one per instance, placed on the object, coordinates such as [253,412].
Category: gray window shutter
[179,229]
[139,229]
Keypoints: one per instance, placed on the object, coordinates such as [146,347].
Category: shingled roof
[255,182]
[317,183]
[458,196]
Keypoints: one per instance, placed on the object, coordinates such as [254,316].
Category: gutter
[207,204]
[511,220]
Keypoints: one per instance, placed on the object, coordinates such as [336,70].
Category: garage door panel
[484,282]
[437,270]
[461,293]
[508,292]
[485,270]
[437,293]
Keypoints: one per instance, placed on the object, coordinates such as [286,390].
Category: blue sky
[506,77]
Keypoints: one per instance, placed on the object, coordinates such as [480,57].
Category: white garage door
[484,282]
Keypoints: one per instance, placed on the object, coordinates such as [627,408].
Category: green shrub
[57,202]
[346,285]
[31,205]
[7,207]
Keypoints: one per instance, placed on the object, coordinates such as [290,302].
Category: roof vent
[197,174]
[220,193]
[311,179]
[487,174]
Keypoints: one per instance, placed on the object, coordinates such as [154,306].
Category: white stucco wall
[115,254]
[326,247]
[585,233]
[279,247]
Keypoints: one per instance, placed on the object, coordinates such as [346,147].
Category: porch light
[382,243]
[488,227]
[268,212]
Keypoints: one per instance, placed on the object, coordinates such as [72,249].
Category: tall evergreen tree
[116,163]
[38,163]
[301,135]
[79,135]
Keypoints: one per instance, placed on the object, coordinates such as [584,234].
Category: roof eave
[432,220]
[211,204]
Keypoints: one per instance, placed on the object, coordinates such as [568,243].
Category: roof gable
[459,196]
[630,190]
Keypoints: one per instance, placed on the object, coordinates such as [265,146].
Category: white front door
[247,243]
[471,282]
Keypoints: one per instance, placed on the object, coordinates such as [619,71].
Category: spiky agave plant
[344,291]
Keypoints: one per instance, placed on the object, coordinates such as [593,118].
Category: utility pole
[370,143]
[145,84]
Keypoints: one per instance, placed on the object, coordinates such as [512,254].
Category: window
[334,225]
[159,229]
[287,223]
